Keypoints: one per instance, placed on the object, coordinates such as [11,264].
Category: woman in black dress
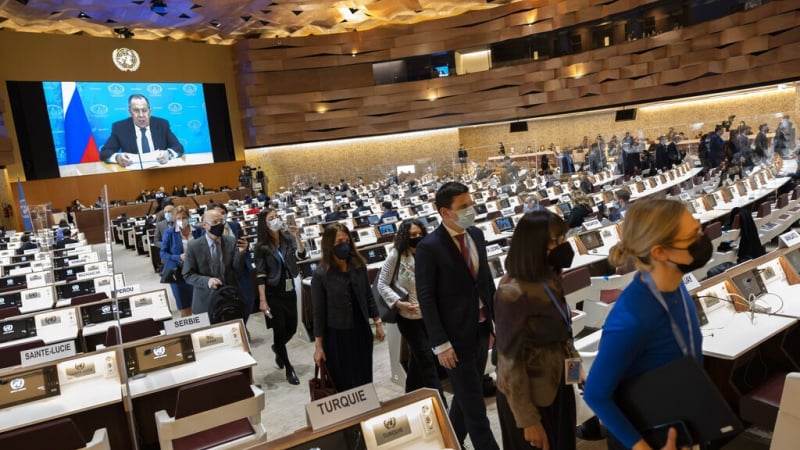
[277,252]
[342,303]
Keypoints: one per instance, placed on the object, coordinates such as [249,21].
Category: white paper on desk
[148,160]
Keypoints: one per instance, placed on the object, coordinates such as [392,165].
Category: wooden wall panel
[126,185]
[758,46]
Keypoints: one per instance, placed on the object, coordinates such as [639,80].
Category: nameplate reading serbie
[188,323]
[47,353]
[690,281]
[789,239]
[342,406]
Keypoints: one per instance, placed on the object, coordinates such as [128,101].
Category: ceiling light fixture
[83,15]
[158,7]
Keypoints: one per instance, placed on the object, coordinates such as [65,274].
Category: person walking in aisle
[277,253]
[455,290]
[535,397]
[422,371]
[654,320]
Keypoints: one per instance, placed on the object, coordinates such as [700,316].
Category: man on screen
[139,135]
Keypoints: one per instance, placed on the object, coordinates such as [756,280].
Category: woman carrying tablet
[654,320]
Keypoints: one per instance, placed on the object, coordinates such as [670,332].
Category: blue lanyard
[565,314]
[675,330]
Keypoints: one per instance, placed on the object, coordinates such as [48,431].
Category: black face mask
[412,242]
[561,256]
[700,250]
[217,229]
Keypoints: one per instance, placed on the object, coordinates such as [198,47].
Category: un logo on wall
[116,90]
[190,89]
[155,90]
[194,124]
[175,108]
[99,110]
[55,110]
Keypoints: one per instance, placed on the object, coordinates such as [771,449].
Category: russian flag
[81,147]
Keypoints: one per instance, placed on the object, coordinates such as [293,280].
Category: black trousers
[558,421]
[283,307]
[468,409]
[422,371]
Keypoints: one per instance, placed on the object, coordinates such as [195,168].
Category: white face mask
[180,223]
[466,217]
[275,224]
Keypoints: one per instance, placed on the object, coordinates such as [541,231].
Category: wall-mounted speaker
[625,114]
[516,127]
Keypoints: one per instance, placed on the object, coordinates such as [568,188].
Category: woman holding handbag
[277,252]
[173,246]
[342,305]
[398,271]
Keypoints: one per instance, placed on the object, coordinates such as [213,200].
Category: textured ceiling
[223,21]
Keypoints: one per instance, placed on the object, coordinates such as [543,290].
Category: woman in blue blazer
[173,245]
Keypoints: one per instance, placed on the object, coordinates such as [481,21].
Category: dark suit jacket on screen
[123,138]
[447,293]
[197,268]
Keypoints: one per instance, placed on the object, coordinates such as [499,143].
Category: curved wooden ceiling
[224,21]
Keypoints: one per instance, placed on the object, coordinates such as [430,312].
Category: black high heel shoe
[291,376]
[278,360]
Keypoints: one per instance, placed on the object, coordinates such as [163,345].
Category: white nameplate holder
[31,251]
[39,355]
[188,323]
[89,274]
[493,249]
[342,406]
[685,196]
[593,224]
[36,279]
[789,239]
[690,281]
[20,271]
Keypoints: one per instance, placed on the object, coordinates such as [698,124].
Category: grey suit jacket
[197,269]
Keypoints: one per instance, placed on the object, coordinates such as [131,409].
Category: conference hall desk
[86,388]
[192,356]
[99,167]
[742,348]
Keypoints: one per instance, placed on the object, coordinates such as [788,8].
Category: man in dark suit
[212,260]
[67,233]
[455,291]
[716,149]
[139,135]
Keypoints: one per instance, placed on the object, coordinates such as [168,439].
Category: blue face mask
[342,251]
[168,217]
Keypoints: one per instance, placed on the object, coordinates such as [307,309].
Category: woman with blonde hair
[654,321]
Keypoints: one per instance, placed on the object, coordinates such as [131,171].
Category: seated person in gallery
[139,135]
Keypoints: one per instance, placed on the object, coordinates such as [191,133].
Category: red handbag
[322,384]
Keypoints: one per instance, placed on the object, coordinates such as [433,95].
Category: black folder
[677,392]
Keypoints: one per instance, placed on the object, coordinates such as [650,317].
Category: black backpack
[225,305]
